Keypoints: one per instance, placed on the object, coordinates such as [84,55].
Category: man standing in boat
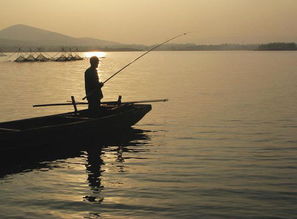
[93,86]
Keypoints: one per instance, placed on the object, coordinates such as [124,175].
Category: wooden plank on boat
[77,118]
[107,102]
[9,130]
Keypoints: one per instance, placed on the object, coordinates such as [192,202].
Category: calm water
[224,146]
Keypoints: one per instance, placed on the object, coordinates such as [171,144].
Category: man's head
[94,61]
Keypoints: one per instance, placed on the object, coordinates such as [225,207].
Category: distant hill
[25,37]
[28,38]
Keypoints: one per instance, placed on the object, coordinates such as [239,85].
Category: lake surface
[224,146]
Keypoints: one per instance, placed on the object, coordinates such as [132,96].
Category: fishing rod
[142,56]
[117,72]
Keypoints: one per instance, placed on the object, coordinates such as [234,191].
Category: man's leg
[94,105]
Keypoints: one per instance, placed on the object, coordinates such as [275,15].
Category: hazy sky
[151,21]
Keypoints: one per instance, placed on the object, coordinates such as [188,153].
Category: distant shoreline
[170,47]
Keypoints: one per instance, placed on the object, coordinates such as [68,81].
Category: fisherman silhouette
[93,86]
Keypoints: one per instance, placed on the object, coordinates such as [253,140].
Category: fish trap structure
[62,56]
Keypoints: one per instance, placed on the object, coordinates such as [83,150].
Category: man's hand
[100,84]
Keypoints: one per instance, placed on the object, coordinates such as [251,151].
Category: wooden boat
[70,126]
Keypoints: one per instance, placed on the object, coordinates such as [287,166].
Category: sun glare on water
[98,54]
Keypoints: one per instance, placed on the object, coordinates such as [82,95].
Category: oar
[107,102]
[153,48]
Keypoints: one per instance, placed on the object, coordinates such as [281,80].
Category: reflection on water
[24,161]
[39,159]
[53,160]
[94,159]
[93,166]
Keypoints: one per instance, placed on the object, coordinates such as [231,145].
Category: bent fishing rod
[153,48]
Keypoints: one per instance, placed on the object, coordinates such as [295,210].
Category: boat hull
[67,127]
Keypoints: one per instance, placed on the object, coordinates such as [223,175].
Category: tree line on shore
[278,46]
